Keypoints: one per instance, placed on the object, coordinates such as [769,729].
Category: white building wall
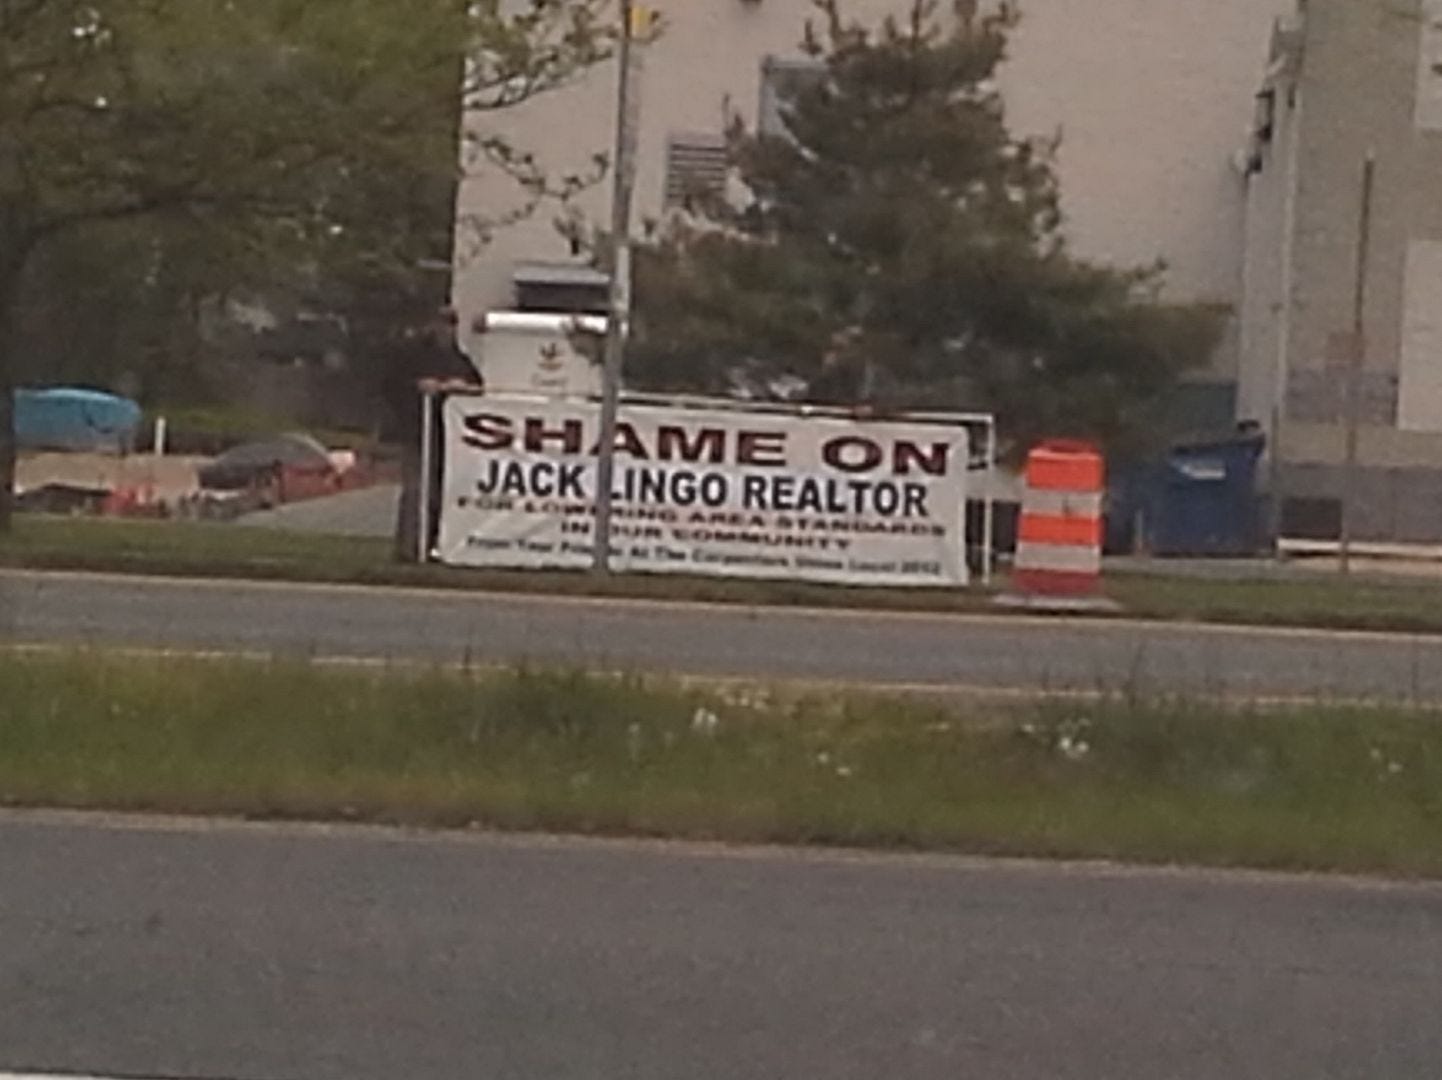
[1429,67]
[1360,96]
[1153,99]
[1266,271]
[1368,87]
[1419,405]
[1268,266]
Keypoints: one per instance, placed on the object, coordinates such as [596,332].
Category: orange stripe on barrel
[1061,465]
[1055,473]
[1056,529]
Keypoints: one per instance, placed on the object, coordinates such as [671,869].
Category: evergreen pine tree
[898,246]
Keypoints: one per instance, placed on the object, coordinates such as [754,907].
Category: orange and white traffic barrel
[1059,539]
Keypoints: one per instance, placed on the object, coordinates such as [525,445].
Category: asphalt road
[941,651]
[307,954]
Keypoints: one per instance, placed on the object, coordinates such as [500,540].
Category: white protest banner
[705,491]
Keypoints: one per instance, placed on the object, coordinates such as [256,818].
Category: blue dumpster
[1204,500]
[1129,489]
[75,420]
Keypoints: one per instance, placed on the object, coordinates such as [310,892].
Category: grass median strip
[214,550]
[1321,788]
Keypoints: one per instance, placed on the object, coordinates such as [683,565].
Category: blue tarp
[75,420]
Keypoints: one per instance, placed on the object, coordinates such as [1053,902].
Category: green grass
[232,424]
[231,551]
[1324,788]
[1313,599]
[220,550]
[188,548]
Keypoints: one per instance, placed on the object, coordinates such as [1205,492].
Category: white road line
[95,1076]
[84,1076]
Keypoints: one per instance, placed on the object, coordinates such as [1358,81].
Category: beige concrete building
[1153,98]
[1349,79]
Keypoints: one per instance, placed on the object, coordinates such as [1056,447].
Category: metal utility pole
[619,307]
[1356,362]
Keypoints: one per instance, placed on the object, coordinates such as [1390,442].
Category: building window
[570,288]
[696,166]
[781,79]
[1264,125]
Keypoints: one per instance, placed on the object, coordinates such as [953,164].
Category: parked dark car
[259,463]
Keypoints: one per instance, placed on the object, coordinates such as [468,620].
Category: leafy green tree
[898,246]
[289,133]
[127,306]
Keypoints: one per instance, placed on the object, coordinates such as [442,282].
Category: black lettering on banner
[493,503]
[683,488]
[543,479]
[513,480]
[809,498]
[886,498]
[714,489]
[783,493]
[927,569]
[656,492]
[569,485]
[915,501]
[753,493]
[651,487]
[786,494]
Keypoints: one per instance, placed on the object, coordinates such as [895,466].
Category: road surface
[857,647]
[178,950]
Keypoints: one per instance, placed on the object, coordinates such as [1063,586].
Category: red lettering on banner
[627,442]
[569,435]
[850,454]
[673,444]
[764,448]
[842,454]
[486,431]
[932,460]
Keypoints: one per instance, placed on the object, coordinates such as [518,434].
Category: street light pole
[1356,360]
[623,185]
